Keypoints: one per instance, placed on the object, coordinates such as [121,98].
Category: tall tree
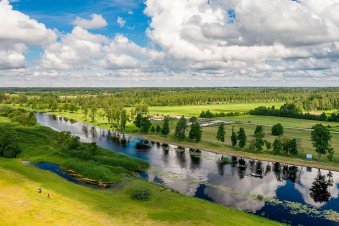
[259,131]
[278,145]
[145,124]
[123,121]
[221,133]
[180,129]
[259,143]
[165,127]
[138,121]
[234,138]
[242,138]
[321,137]
[195,132]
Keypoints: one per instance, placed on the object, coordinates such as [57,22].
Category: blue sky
[61,13]
[169,43]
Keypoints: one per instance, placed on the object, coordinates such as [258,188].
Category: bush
[277,130]
[142,194]
[9,147]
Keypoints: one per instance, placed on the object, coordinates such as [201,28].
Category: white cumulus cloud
[17,31]
[97,21]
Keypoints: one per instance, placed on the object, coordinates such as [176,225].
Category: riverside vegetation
[132,110]
[130,201]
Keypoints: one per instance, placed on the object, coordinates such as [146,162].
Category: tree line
[292,111]
[306,98]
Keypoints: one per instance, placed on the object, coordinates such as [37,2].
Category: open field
[286,122]
[195,110]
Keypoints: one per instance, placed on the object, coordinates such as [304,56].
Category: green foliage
[165,127]
[140,193]
[321,137]
[158,129]
[242,138]
[259,131]
[330,154]
[138,121]
[268,145]
[123,121]
[67,140]
[18,115]
[290,146]
[278,145]
[180,129]
[277,130]
[145,125]
[142,123]
[193,119]
[221,133]
[259,143]
[91,170]
[152,129]
[9,146]
[195,132]
[234,138]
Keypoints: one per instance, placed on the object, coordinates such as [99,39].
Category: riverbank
[217,147]
[242,154]
[70,203]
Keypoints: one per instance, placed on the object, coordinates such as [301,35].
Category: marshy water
[290,194]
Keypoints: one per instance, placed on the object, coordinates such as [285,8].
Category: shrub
[277,130]
[139,193]
[9,147]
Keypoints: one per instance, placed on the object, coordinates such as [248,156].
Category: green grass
[210,143]
[74,204]
[287,122]
[38,144]
[195,110]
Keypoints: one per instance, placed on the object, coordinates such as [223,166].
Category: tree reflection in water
[319,189]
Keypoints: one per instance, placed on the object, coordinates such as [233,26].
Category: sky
[169,43]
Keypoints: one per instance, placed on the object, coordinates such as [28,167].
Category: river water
[290,194]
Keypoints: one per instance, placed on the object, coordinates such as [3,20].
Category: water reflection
[238,184]
[319,189]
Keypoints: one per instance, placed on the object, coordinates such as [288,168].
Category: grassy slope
[74,204]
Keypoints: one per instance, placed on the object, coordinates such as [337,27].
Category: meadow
[195,110]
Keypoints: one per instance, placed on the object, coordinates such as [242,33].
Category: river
[290,194]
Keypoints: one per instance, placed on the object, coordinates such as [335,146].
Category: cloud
[205,33]
[17,31]
[121,21]
[97,21]
[219,42]
[81,50]
[130,12]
